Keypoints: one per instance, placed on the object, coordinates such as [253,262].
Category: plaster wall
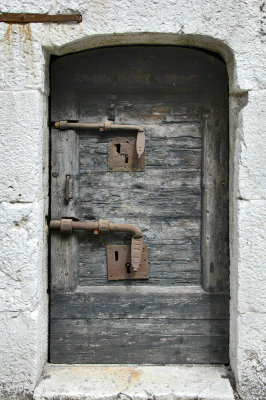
[235,30]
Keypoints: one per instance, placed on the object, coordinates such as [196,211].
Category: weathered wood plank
[169,195]
[183,182]
[167,353]
[93,156]
[171,327]
[215,182]
[65,160]
[114,341]
[64,250]
[142,203]
[171,264]
[139,302]
[178,278]
[161,275]
[153,110]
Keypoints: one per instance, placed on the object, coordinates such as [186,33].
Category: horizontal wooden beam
[39,18]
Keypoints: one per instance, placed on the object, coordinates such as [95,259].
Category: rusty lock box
[122,156]
[119,263]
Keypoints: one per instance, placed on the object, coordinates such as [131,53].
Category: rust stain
[134,375]
[25,31]
[161,109]
[128,374]
[19,38]
[152,117]
[121,375]
[7,35]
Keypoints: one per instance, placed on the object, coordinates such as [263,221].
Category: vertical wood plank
[215,181]
[64,248]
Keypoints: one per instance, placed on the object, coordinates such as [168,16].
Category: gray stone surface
[112,382]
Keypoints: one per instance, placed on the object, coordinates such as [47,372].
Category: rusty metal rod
[73,225]
[105,126]
[21,18]
[136,232]
[101,226]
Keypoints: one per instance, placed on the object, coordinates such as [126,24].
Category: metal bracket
[119,263]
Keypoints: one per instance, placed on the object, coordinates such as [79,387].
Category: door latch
[104,226]
[107,126]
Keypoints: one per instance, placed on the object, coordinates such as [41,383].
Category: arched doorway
[175,192]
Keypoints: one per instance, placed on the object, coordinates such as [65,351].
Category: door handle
[107,126]
[102,226]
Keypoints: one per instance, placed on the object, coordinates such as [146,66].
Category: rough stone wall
[234,29]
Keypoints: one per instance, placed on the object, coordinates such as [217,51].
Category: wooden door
[179,201]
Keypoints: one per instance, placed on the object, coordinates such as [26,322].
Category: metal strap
[104,225]
[66,226]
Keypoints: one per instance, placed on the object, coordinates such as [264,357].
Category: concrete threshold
[134,382]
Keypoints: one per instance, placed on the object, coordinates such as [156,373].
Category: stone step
[134,382]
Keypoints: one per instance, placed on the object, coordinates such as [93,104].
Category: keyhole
[116,255]
[126,158]
[118,147]
[128,265]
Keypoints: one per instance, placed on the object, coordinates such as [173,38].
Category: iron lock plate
[119,265]
[122,156]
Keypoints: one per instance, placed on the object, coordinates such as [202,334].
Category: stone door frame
[29,305]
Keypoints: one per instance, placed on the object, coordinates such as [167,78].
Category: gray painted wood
[139,341]
[180,202]
[139,302]
[64,249]
[165,271]
[215,209]
[170,188]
